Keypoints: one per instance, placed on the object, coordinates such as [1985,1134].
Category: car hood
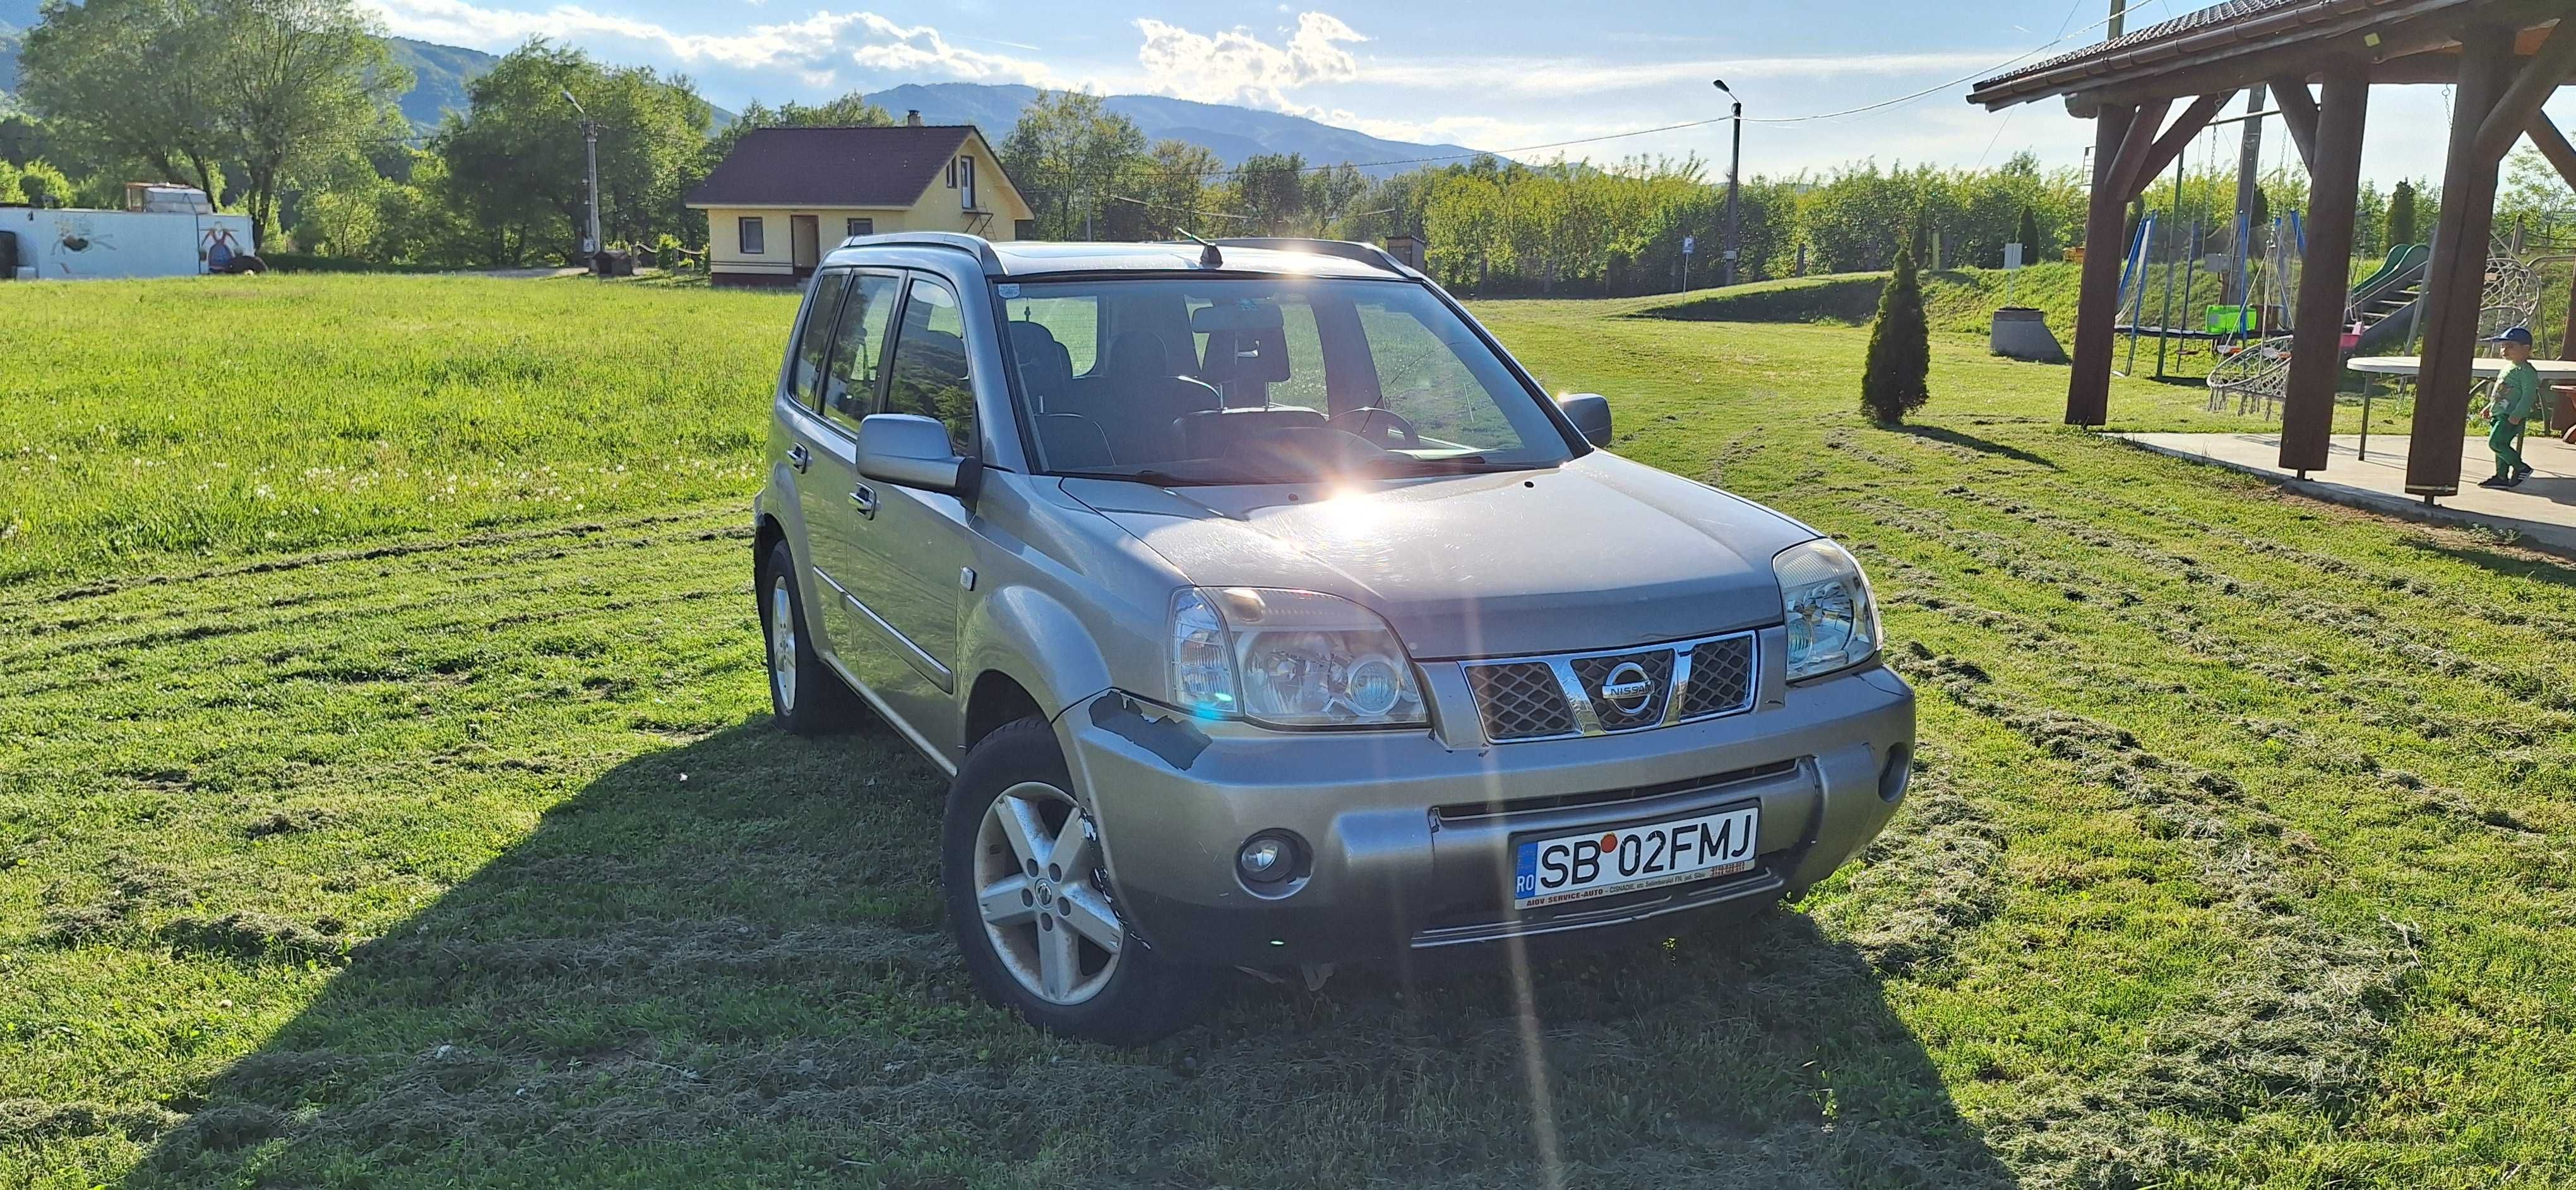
[1598,553]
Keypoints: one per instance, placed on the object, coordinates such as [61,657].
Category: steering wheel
[1379,425]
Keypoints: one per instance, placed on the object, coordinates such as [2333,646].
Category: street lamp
[1734,168]
[590,188]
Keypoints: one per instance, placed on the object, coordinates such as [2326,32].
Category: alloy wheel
[782,643]
[1037,886]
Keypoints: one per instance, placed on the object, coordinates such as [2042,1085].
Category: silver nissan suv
[1268,614]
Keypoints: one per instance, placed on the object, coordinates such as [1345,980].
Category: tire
[1042,957]
[807,696]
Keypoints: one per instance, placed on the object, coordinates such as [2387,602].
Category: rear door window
[858,351]
[814,342]
[930,376]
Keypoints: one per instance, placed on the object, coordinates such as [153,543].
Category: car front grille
[1520,700]
[1721,677]
[1584,694]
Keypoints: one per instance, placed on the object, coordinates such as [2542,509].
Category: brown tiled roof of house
[879,166]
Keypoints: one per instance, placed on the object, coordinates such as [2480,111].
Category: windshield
[1263,380]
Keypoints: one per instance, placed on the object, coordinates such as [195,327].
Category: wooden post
[2316,352]
[2455,279]
[2553,145]
[2088,387]
[2299,115]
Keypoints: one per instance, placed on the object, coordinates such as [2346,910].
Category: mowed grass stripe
[542,975]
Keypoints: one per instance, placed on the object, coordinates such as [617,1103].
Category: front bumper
[1411,836]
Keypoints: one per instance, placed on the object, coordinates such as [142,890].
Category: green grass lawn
[433,843]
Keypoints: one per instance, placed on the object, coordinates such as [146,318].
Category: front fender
[1035,640]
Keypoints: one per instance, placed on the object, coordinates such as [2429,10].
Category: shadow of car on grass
[722,963]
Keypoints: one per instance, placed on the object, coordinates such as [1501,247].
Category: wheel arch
[1022,643]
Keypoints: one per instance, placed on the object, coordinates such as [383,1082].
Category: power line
[1937,87]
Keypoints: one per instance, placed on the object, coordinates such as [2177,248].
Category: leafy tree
[296,84]
[1069,158]
[1178,187]
[849,111]
[2401,215]
[1270,192]
[2533,189]
[411,221]
[132,80]
[273,87]
[1897,379]
[35,184]
[2027,235]
[514,161]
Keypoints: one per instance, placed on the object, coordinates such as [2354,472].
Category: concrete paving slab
[2543,509]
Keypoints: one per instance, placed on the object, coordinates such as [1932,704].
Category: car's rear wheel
[806,696]
[1032,907]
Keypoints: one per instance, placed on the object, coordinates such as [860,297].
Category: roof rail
[1369,254]
[981,248]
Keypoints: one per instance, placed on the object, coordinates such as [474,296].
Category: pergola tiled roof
[2504,58]
[2217,14]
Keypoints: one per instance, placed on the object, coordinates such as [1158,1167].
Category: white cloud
[1235,66]
[815,48]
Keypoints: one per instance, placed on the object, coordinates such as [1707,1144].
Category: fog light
[1267,859]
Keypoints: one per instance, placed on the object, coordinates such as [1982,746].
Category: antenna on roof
[1209,257]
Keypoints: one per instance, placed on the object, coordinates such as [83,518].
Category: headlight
[1289,659]
[1832,622]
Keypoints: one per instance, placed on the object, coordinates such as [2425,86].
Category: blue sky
[1498,74]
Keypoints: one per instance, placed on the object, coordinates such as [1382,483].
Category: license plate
[1629,858]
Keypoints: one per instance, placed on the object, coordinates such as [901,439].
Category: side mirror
[910,450]
[1590,413]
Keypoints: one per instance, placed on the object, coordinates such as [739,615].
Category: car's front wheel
[1031,904]
[806,696]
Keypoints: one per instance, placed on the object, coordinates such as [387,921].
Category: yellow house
[786,196]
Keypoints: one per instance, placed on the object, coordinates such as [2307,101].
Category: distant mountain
[440,74]
[1233,133]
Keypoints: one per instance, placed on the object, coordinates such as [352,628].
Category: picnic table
[2556,372]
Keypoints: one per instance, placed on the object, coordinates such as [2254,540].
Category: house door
[806,243]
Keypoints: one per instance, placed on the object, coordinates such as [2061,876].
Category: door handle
[864,498]
[799,458]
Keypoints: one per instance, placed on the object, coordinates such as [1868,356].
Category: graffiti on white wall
[77,234]
[217,247]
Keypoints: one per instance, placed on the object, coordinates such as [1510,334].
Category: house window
[863,227]
[966,182]
[754,236]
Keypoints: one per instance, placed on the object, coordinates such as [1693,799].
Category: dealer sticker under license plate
[1576,867]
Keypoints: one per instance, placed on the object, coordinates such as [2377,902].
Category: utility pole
[2119,19]
[590,245]
[1734,176]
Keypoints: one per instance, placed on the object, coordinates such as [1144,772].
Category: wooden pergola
[2504,59]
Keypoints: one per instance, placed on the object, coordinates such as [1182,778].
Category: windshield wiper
[1160,479]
